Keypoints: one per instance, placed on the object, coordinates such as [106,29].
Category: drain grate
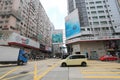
[24,72]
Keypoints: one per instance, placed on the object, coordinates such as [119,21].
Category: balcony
[86,33]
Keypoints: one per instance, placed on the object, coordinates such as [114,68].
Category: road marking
[18,76]
[100,72]
[46,72]
[102,77]
[9,72]
[35,71]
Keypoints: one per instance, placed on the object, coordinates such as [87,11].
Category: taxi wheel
[84,64]
[63,64]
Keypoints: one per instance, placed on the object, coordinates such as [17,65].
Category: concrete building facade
[99,26]
[57,41]
[27,18]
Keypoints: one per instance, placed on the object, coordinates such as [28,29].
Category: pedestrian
[87,54]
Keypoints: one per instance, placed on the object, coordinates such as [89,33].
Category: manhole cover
[49,65]
[24,72]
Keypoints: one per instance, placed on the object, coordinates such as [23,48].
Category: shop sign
[42,46]
[23,40]
[47,48]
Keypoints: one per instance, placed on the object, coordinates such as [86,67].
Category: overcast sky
[56,11]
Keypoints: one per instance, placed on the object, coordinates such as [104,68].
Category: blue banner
[57,38]
[72,24]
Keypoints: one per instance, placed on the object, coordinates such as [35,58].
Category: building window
[110,22]
[1,22]
[96,23]
[103,28]
[5,8]
[7,16]
[88,29]
[115,26]
[6,21]
[88,8]
[103,22]
[6,3]
[105,6]
[102,17]
[100,11]
[89,17]
[107,28]
[108,16]
[97,29]
[91,2]
[98,2]
[21,23]
[0,26]
[93,12]
[93,7]
[99,6]
[12,27]
[103,1]
[3,16]
[82,29]
[106,11]
[95,17]
[90,23]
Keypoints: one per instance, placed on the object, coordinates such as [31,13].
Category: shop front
[15,40]
[94,49]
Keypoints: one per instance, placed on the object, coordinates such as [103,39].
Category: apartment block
[98,22]
[26,17]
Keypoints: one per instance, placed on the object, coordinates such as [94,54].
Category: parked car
[75,59]
[108,58]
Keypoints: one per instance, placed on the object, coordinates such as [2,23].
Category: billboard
[57,36]
[72,24]
[12,37]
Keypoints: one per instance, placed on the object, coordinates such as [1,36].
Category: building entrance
[93,55]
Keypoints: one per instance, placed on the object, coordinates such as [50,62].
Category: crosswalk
[101,70]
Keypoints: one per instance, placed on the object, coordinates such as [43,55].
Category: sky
[56,11]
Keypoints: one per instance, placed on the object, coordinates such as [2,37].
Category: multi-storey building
[57,40]
[26,17]
[99,24]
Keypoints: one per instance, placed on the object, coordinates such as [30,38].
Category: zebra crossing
[102,70]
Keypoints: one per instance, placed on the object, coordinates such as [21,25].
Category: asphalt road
[50,69]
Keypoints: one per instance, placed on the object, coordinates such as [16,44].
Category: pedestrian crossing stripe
[101,72]
[103,77]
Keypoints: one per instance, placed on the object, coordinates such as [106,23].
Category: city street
[49,69]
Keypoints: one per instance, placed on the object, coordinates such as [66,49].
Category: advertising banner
[8,37]
[57,36]
[72,24]
[23,40]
